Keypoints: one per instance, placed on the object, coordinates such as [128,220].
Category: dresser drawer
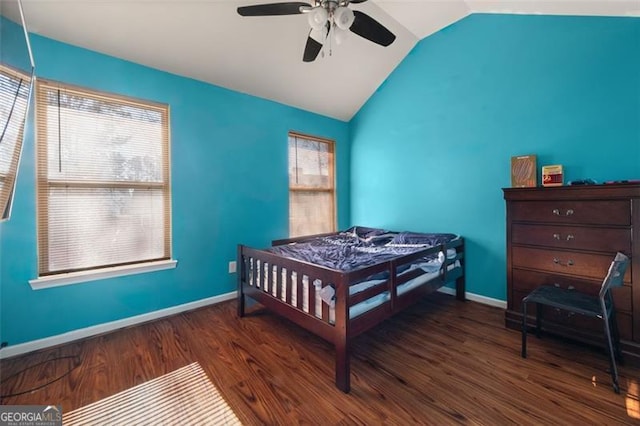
[582,265]
[613,212]
[524,282]
[572,237]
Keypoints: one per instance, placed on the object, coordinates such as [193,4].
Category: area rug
[183,397]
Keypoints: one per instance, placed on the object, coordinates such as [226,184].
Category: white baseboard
[476,298]
[82,333]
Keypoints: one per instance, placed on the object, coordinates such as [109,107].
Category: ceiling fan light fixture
[317,18]
[318,35]
[339,35]
[343,17]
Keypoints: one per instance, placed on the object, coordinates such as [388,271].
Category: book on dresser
[567,236]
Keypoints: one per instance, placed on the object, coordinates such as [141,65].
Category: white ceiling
[262,56]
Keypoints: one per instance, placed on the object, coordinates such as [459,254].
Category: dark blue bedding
[358,247]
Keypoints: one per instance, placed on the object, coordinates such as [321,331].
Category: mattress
[359,247]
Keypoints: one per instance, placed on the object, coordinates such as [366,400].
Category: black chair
[580,303]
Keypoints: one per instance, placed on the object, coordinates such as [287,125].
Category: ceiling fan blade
[315,40]
[367,27]
[357,1]
[272,9]
[311,50]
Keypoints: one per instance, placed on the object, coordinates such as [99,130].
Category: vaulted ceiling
[207,40]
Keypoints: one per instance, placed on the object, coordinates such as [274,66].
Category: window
[103,181]
[14,101]
[311,185]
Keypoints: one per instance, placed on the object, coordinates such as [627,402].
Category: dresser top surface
[574,192]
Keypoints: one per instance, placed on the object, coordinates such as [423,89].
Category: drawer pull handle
[556,285]
[559,262]
[569,212]
[559,237]
[571,287]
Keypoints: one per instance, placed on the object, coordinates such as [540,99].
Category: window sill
[100,274]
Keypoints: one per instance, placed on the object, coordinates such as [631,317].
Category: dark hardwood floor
[439,362]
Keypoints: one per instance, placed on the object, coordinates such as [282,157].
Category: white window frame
[331,188]
[54,279]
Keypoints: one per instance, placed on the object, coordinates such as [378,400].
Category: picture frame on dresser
[566,236]
[524,171]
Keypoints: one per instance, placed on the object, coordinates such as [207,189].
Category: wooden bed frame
[342,329]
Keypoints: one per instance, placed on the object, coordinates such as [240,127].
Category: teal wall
[429,151]
[431,148]
[229,185]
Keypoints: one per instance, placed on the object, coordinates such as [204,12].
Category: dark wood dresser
[567,236]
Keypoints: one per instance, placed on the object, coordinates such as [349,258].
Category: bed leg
[240,274]
[460,282]
[241,302]
[343,367]
[461,289]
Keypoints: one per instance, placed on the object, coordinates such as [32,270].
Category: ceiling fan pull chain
[330,37]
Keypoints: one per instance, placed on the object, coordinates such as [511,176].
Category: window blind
[103,180]
[311,185]
[14,99]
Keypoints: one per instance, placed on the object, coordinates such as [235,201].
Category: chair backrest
[615,276]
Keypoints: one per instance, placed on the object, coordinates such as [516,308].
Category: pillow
[417,238]
[369,234]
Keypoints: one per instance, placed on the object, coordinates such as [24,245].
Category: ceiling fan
[326,17]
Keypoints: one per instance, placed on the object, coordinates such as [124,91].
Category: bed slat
[368,293]
[288,282]
[299,290]
[312,295]
[325,312]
